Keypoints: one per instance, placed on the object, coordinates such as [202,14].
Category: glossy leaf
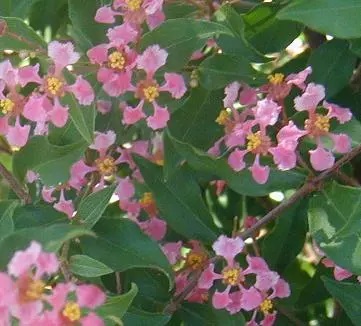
[92,207]
[128,245]
[6,219]
[281,246]
[179,201]
[143,318]
[42,157]
[333,17]
[332,66]
[86,266]
[220,70]
[181,37]
[115,307]
[348,295]
[335,224]
[83,117]
[16,8]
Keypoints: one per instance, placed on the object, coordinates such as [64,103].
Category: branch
[14,184]
[306,189]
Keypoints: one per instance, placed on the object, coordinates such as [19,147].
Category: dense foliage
[170,162]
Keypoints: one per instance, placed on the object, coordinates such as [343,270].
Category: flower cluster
[29,295]
[253,287]
[248,131]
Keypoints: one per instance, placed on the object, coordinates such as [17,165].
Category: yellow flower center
[147,199]
[195,260]
[116,60]
[232,276]
[266,306]
[150,93]
[72,311]
[318,125]
[276,79]
[6,105]
[134,5]
[54,86]
[222,118]
[106,166]
[34,290]
[254,141]
[322,123]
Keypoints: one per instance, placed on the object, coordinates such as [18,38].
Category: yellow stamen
[106,166]
[72,311]
[276,79]
[54,86]
[223,117]
[147,199]
[195,260]
[151,93]
[322,123]
[116,60]
[266,306]
[6,105]
[231,276]
[35,290]
[254,141]
[134,4]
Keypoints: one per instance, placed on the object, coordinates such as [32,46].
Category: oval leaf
[88,267]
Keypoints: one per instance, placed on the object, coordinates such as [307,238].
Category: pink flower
[125,189]
[259,173]
[174,84]
[62,54]
[266,112]
[172,250]
[90,296]
[152,59]
[228,247]
[309,100]
[105,15]
[46,193]
[231,92]
[133,115]
[334,111]
[159,118]
[59,114]
[103,141]
[321,159]
[18,135]
[299,79]
[64,206]
[82,90]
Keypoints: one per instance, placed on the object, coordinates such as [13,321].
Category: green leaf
[179,201]
[219,70]
[356,46]
[128,245]
[86,31]
[333,17]
[115,307]
[51,237]
[334,220]
[86,266]
[92,207]
[194,122]
[265,32]
[29,216]
[195,314]
[83,117]
[181,37]
[42,157]
[16,8]
[235,45]
[6,219]
[283,244]
[20,36]
[332,66]
[143,318]
[348,295]
[241,182]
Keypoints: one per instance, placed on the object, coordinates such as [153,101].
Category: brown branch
[306,189]
[14,184]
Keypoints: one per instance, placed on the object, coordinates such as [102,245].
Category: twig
[347,179]
[118,282]
[14,184]
[307,188]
